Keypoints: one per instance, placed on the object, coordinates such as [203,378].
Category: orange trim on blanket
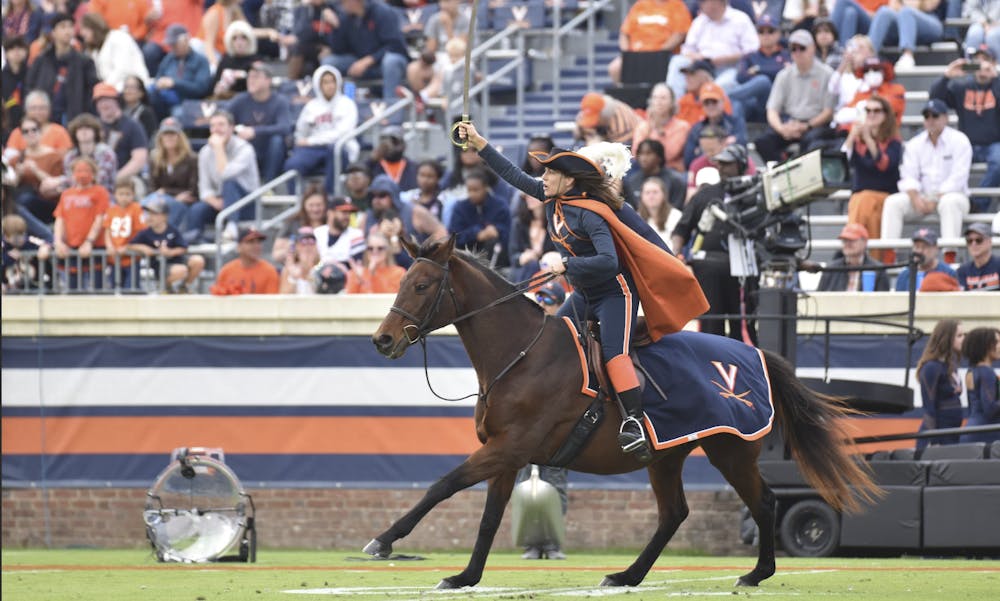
[585,388]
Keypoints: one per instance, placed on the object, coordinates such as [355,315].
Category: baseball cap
[262,67]
[712,131]
[854,231]
[700,65]
[156,204]
[170,124]
[552,290]
[340,203]
[925,234]
[707,175]
[710,91]
[978,228]
[972,51]
[766,20]
[734,153]
[935,106]
[248,233]
[590,109]
[104,90]
[173,33]
[801,37]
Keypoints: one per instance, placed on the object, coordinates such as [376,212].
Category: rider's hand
[468,131]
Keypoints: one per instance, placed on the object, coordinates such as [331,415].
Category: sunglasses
[376,248]
[29,130]
[975,240]
[797,48]
[710,101]
[767,31]
[874,111]
[307,241]
[931,115]
[545,300]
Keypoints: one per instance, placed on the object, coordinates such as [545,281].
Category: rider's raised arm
[511,173]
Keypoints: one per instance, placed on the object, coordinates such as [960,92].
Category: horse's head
[420,306]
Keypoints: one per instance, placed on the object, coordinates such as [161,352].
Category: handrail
[253,197]
[557,34]
[96,264]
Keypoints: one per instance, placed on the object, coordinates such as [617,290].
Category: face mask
[83,175]
[874,79]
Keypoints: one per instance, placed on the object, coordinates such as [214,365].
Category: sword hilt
[453,136]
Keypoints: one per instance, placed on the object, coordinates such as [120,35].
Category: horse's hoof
[745,581]
[377,548]
[446,584]
[611,580]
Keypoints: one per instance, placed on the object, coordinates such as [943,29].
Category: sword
[464,143]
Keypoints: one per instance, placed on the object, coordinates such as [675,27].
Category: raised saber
[464,143]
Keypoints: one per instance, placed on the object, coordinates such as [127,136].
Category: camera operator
[709,256]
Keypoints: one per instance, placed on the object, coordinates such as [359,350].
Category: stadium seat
[968,450]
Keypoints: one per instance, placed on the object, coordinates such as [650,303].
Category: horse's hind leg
[497,496]
[672,509]
[736,459]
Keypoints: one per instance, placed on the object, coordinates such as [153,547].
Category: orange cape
[669,293]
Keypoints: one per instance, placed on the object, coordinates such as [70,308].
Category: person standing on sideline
[982,349]
[940,386]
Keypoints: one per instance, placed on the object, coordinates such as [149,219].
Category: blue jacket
[373,34]
[467,220]
[196,80]
[758,63]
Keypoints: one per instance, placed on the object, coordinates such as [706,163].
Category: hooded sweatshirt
[324,121]
[403,208]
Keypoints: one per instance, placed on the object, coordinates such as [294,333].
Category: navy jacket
[373,34]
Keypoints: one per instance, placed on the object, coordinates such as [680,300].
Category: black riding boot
[631,435]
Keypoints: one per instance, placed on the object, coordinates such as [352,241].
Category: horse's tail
[813,426]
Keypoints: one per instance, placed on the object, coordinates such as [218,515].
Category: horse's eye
[421,287]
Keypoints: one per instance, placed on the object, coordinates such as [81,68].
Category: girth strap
[581,432]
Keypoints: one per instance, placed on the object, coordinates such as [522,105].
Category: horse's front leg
[484,463]
[497,496]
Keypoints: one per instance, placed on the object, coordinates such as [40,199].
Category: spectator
[248,273]
[982,349]
[757,71]
[135,105]
[799,107]
[160,239]
[934,177]
[214,24]
[847,79]
[878,78]
[982,271]
[828,48]
[114,52]
[651,26]
[448,23]
[124,135]
[314,22]
[853,17]
[655,207]
[15,69]
[651,164]
[21,18]
[38,107]
[974,96]
[721,35]
[234,64]
[122,222]
[908,24]
[275,22]
[186,13]
[128,16]
[440,79]
[376,272]
[263,119]
[183,74]
[227,171]
[854,246]
[173,174]
[20,272]
[925,257]
[367,43]
[603,118]
[662,125]
[88,141]
[325,120]
[481,222]
[712,98]
[37,175]
[312,215]
[357,179]
[985,27]
[696,75]
[389,158]
[528,239]
[711,141]
[537,143]
[300,259]
[428,191]
[396,218]
[453,186]
[874,152]
[940,386]
[63,72]
[339,242]
[79,224]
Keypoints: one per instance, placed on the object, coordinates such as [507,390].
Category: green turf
[98,575]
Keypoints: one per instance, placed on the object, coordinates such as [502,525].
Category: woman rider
[607,262]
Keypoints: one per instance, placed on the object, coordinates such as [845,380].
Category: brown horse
[530,379]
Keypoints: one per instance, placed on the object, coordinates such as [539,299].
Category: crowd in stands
[99,96]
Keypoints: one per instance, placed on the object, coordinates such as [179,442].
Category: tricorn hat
[567,161]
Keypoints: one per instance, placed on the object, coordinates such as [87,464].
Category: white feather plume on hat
[614,158]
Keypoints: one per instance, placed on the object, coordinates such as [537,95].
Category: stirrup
[627,440]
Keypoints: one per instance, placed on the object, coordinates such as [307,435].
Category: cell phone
[970,67]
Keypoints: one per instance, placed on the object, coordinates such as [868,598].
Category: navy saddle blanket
[713,385]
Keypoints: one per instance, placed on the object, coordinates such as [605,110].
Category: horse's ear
[410,246]
[444,250]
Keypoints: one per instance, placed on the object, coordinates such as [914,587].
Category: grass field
[98,575]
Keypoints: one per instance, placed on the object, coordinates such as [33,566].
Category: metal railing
[560,31]
[254,197]
[93,274]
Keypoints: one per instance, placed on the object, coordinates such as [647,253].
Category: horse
[530,397]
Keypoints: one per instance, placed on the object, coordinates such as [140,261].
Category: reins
[422,330]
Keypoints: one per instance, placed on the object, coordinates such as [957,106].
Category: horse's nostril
[382,342]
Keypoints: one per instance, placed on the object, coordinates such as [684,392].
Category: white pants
[951,207]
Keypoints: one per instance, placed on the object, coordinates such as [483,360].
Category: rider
[609,264]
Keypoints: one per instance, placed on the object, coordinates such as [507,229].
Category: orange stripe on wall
[281,435]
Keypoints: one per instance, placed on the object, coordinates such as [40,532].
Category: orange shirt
[54,136]
[259,278]
[185,12]
[122,224]
[891,91]
[385,279]
[124,13]
[872,5]
[649,24]
[673,136]
[219,43]
[78,208]
[689,108]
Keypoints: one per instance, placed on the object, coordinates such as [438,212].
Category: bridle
[420,328]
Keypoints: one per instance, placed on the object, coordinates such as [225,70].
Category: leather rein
[420,328]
